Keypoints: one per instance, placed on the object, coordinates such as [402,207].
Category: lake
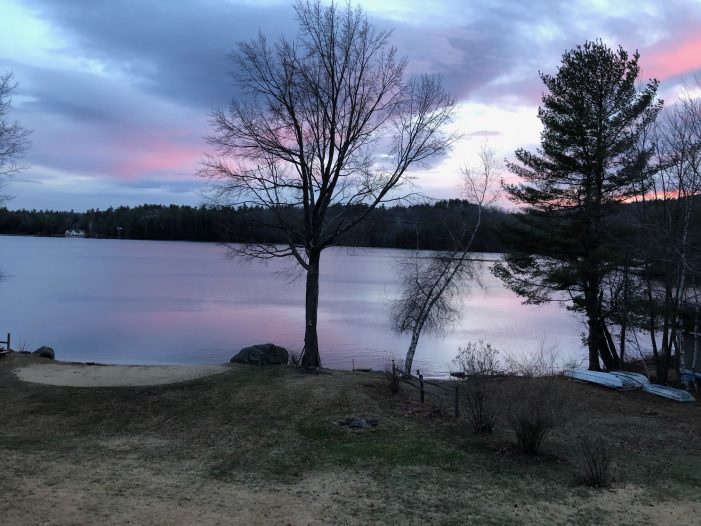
[161,302]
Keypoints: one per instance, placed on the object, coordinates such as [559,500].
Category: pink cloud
[672,59]
[162,152]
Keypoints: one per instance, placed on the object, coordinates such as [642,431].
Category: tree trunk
[310,356]
[622,345]
[696,346]
[609,356]
[594,337]
[593,345]
[624,319]
[409,360]
[694,360]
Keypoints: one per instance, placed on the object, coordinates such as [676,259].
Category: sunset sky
[118,92]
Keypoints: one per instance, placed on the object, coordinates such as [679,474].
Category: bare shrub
[477,359]
[544,361]
[595,462]
[394,379]
[474,363]
[294,359]
[481,408]
[535,407]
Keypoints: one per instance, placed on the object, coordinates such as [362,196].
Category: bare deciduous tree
[325,119]
[430,285]
[669,265]
[13,136]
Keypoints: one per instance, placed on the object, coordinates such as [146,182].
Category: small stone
[359,423]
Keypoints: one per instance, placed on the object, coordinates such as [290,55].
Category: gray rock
[357,422]
[262,354]
[45,352]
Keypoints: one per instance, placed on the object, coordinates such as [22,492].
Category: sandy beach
[97,375]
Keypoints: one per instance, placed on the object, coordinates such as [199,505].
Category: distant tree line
[426,226]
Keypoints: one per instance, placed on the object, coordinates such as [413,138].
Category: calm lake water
[153,302]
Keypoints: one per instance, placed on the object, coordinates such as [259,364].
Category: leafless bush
[474,363]
[595,462]
[480,404]
[393,377]
[542,362]
[535,407]
[477,359]
[294,359]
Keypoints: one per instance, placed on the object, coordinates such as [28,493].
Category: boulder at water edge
[262,354]
[45,352]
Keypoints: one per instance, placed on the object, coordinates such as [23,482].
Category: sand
[84,375]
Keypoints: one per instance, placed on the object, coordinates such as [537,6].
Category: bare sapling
[432,283]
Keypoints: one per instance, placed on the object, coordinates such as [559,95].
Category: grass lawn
[264,446]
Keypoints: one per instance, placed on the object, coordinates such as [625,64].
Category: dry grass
[263,446]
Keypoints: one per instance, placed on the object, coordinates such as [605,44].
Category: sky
[118,93]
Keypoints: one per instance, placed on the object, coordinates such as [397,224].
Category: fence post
[8,342]
[394,372]
[421,381]
[457,401]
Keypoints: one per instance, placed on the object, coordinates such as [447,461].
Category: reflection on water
[150,302]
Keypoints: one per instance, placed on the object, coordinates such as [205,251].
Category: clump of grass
[595,457]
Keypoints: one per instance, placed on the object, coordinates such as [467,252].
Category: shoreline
[91,374]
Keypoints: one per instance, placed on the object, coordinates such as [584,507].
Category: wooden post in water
[457,401]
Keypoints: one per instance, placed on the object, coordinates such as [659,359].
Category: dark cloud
[494,50]
[174,49]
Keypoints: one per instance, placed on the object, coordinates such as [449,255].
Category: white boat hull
[690,375]
[631,379]
[595,377]
[669,392]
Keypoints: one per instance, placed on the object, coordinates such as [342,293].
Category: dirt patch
[83,375]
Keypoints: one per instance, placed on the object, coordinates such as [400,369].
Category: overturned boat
[689,377]
[631,380]
[595,377]
[669,392]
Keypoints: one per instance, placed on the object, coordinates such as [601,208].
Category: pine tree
[589,161]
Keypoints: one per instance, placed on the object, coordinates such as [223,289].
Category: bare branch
[14,138]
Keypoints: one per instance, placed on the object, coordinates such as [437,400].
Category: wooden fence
[445,393]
